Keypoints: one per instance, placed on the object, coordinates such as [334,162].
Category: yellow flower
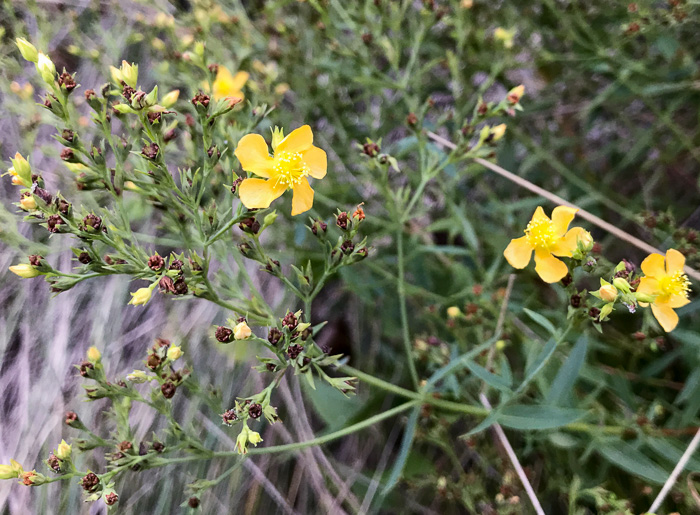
[174,353]
[664,279]
[453,312]
[608,292]
[11,471]
[94,355]
[241,331]
[548,238]
[27,203]
[295,158]
[25,271]
[140,296]
[504,36]
[228,85]
[254,437]
[64,451]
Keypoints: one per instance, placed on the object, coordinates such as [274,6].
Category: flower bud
[170,99]
[453,312]
[605,311]
[11,471]
[138,377]
[46,68]
[498,131]
[94,355]
[644,297]
[27,202]
[64,451]
[129,73]
[27,50]
[622,284]
[608,293]
[515,94]
[25,271]
[20,171]
[269,219]
[140,296]
[242,331]
[174,353]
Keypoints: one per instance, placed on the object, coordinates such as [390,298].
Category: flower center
[541,234]
[290,168]
[676,284]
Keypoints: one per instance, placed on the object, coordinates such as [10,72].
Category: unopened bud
[28,51]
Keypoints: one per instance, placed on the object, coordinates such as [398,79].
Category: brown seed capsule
[176,264]
[255,410]
[158,446]
[180,287]
[594,313]
[90,482]
[412,119]
[193,502]
[125,445]
[150,151]
[35,259]
[166,285]
[67,154]
[168,390]
[201,98]
[71,418]
[294,350]
[319,226]
[84,258]
[370,149]
[154,118]
[229,416]
[224,334]
[67,81]
[290,321]
[153,361]
[54,463]
[347,247]
[567,280]
[90,94]
[111,499]
[274,336]
[342,220]
[156,262]
[575,300]
[85,368]
[92,223]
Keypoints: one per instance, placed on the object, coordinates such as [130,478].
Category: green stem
[404,313]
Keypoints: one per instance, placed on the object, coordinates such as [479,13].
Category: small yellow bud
[515,94]
[242,441]
[64,451]
[27,203]
[254,437]
[25,271]
[453,312]
[129,73]
[94,355]
[115,74]
[140,296]
[608,293]
[174,353]
[498,131]
[158,44]
[500,344]
[504,36]
[277,137]
[8,472]
[138,376]
[281,88]
[21,171]
[27,50]
[170,99]
[241,331]
[46,68]
[199,48]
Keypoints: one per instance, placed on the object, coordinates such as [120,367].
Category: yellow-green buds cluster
[20,171]
[127,73]
[245,437]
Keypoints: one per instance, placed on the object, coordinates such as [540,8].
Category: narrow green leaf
[541,321]
[564,381]
[406,444]
[532,417]
[490,379]
[539,362]
[628,458]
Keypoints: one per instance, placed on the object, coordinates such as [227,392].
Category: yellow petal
[675,261]
[678,301]
[259,193]
[223,84]
[562,216]
[518,252]
[303,197]
[539,215]
[648,285]
[653,265]
[253,154]
[665,315]
[299,140]
[315,159]
[566,245]
[239,80]
[549,268]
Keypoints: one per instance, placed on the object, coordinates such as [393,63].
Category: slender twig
[595,220]
[514,460]
[676,472]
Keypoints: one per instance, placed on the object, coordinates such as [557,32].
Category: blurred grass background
[610,123]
